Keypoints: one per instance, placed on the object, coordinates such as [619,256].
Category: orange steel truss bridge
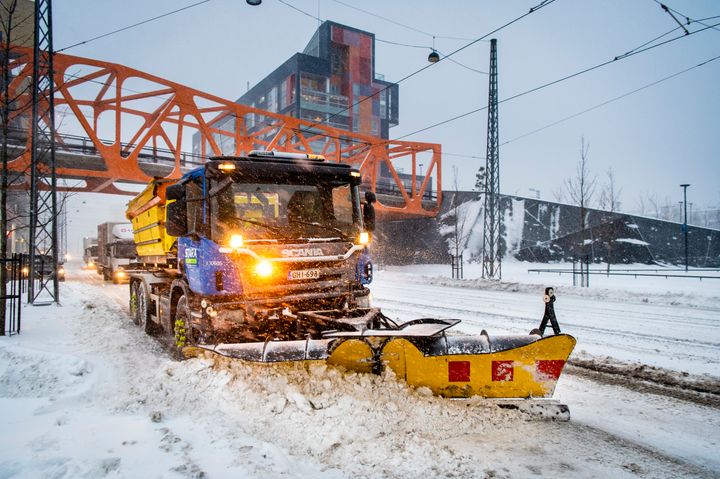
[148,119]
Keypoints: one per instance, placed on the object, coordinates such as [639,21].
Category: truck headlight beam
[263,268]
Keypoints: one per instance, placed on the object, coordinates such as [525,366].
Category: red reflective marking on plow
[550,367]
[458,371]
[502,371]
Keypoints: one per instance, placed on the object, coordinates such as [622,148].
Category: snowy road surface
[83,393]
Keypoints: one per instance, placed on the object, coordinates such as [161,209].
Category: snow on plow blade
[422,354]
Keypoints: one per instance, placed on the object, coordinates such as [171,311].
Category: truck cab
[90,256]
[262,236]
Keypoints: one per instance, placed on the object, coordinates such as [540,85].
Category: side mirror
[176,218]
[369,217]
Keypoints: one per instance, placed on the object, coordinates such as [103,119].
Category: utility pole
[685,226]
[43,288]
[492,259]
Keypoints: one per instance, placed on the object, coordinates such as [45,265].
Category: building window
[312,82]
[284,94]
[338,59]
[272,100]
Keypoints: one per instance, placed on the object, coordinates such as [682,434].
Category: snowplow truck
[236,242]
[264,258]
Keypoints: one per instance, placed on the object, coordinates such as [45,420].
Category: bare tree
[458,221]
[610,202]
[581,187]
[580,190]
[7,12]
[610,195]
[641,204]
[654,204]
[668,209]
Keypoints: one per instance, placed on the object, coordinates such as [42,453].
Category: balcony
[321,101]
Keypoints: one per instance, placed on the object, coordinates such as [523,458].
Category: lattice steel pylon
[492,253]
[43,244]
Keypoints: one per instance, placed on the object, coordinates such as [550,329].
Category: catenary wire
[554,82]
[534,9]
[401,24]
[612,100]
[310,15]
[515,96]
[689,20]
[131,26]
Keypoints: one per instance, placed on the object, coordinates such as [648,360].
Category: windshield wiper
[272,228]
[342,234]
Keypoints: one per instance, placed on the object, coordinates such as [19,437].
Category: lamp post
[685,226]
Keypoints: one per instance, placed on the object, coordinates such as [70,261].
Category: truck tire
[143,311]
[184,334]
[133,304]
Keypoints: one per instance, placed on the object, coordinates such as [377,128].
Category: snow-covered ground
[83,393]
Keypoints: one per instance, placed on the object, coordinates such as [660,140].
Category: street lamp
[685,226]
[433,57]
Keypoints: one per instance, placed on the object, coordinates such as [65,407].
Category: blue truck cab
[260,239]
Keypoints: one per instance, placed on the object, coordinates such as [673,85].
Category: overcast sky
[654,139]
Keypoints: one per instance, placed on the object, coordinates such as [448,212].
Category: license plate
[300,274]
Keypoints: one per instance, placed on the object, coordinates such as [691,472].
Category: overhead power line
[534,9]
[688,19]
[402,44]
[612,100]
[559,80]
[131,26]
[401,24]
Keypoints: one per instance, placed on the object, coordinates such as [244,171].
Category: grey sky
[654,140]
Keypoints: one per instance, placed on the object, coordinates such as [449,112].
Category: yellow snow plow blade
[531,370]
[421,353]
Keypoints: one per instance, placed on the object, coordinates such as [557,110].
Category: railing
[634,273]
[322,98]
[15,286]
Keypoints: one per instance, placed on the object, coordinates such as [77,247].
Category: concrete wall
[536,230]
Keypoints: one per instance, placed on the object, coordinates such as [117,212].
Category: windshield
[125,250]
[323,211]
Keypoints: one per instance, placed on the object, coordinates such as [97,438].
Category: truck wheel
[184,334]
[143,312]
[133,305]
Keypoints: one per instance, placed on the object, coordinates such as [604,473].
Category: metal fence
[15,276]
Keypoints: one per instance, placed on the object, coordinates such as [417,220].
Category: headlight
[364,238]
[25,270]
[236,241]
[263,268]
[120,274]
[90,264]
[61,270]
